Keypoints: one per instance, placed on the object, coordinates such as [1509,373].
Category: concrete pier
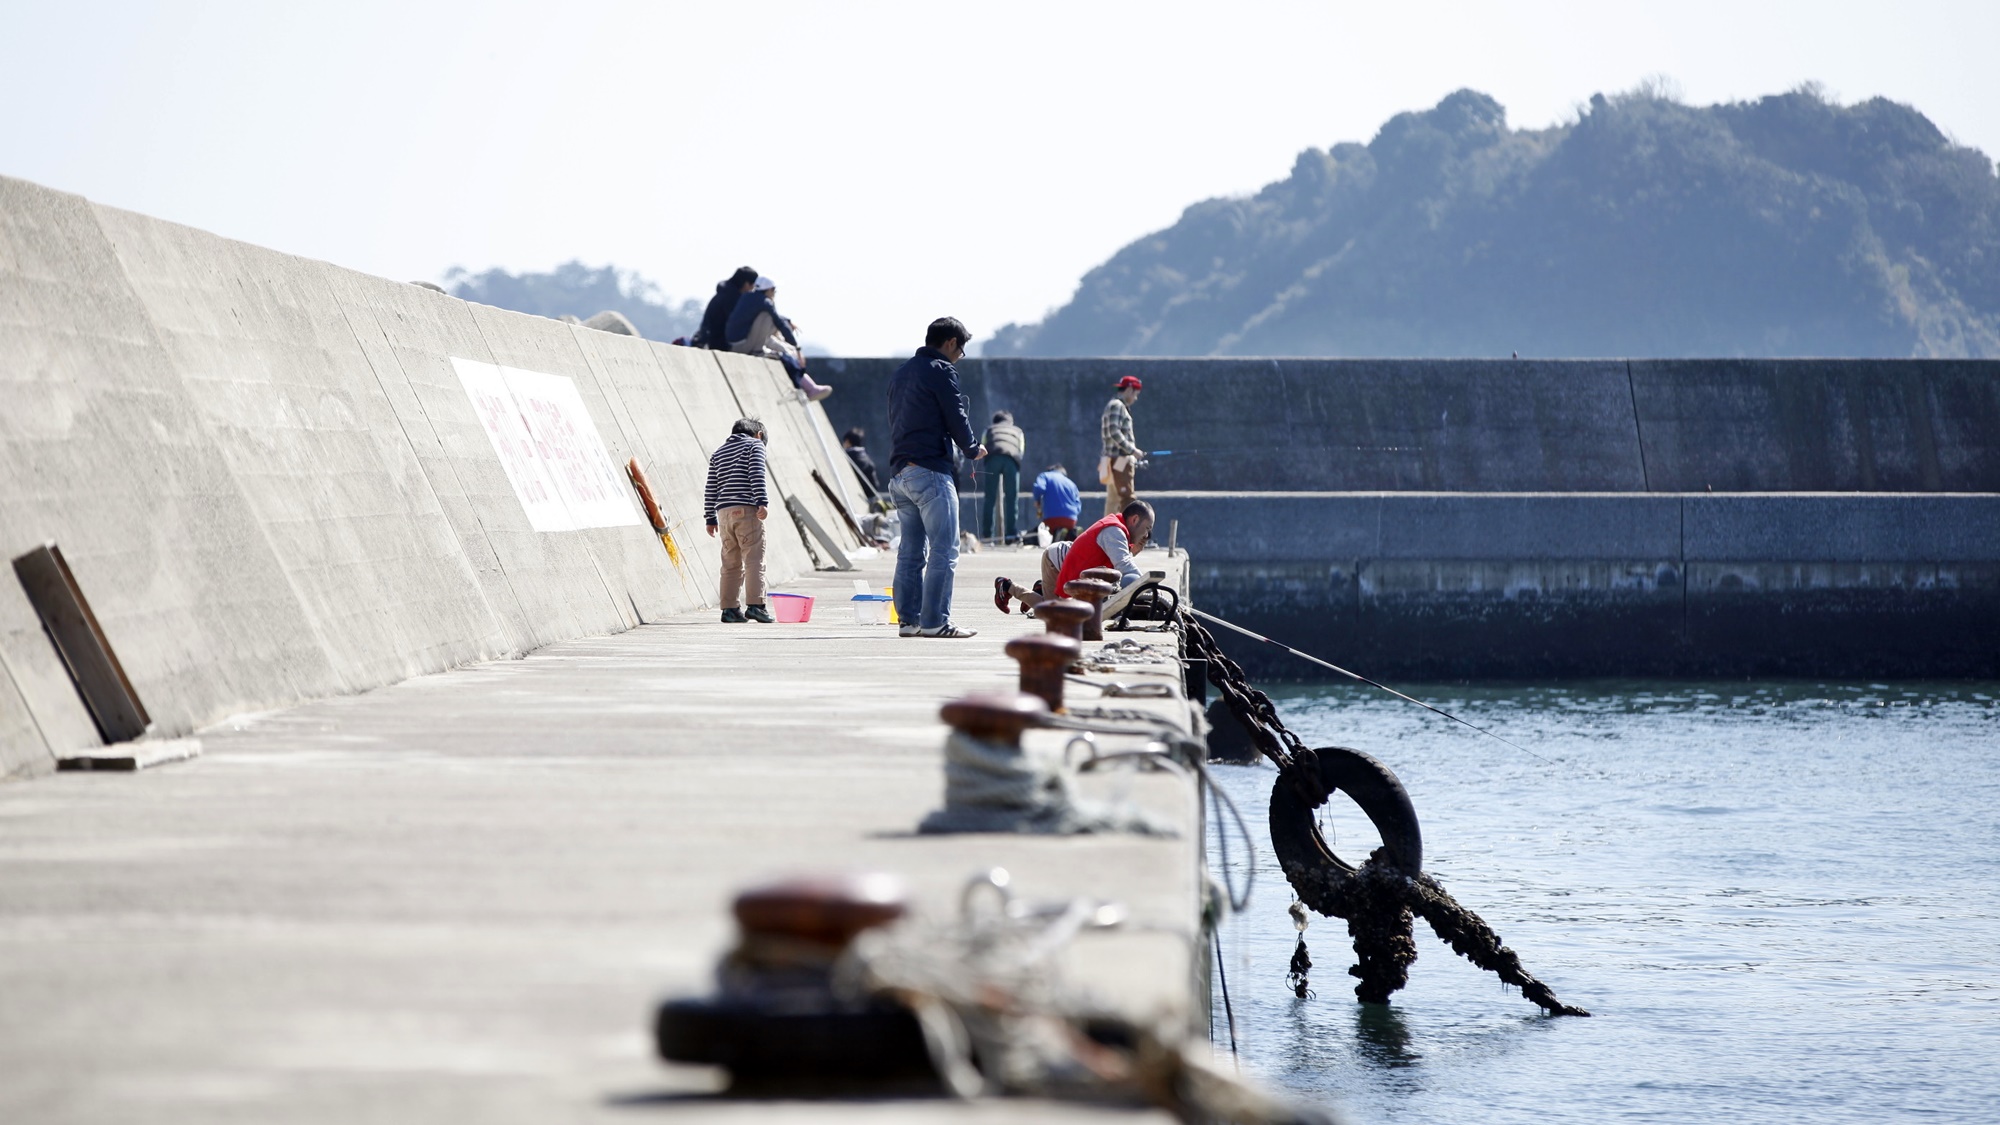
[481,771]
[458,897]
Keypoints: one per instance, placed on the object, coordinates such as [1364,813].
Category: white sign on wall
[549,447]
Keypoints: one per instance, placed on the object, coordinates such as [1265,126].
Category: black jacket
[865,465]
[714,330]
[927,414]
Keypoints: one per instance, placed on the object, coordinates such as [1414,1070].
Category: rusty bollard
[1063,617]
[998,718]
[775,991]
[826,910]
[1044,658]
[1104,574]
[1092,591]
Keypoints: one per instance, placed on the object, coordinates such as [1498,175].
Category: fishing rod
[1358,676]
[1255,452]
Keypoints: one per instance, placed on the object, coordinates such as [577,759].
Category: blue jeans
[927,504]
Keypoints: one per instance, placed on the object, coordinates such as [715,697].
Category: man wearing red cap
[1122,456]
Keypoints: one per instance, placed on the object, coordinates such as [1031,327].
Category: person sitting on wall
[755,328]
[735,506]
[1005,444]
[853,443]
[1057,504]
[1114,541]
[874,525]
[714,330]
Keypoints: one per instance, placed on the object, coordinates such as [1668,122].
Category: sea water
[1781,901]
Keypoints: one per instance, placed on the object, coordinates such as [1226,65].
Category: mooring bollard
[1044,659]
[998,718]
[777,1022]
[824,910]
[1064,617]
[1104,574]
[1092,592]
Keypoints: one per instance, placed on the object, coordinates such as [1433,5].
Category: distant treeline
[1787,226]
[574,289]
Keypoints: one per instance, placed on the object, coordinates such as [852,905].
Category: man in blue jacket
[1057,503]
[755,328]
[926,418]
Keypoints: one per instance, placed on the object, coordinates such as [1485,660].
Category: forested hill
[574,289]
[1788,226]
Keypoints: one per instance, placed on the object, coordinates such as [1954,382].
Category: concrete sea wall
[272,485]
[1345,425]
[1517,518]
[1484,585]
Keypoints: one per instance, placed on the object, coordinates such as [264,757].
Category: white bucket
[871,609]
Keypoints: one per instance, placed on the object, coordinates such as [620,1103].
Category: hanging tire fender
[1317,874]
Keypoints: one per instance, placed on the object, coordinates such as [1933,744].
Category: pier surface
[459,897]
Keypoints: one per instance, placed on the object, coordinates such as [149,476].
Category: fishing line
[1371,683]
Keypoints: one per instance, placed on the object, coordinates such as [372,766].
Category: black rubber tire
[757,1044]
[1315,872]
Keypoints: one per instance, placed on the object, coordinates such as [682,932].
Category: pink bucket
[794,608]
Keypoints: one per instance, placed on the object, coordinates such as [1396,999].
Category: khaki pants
[764,340]
[1119,490]
[742,535]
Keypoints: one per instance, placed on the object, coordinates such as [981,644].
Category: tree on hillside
[1787,226]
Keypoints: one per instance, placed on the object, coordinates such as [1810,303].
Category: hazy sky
[886,162]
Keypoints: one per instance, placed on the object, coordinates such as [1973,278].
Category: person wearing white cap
[755,328]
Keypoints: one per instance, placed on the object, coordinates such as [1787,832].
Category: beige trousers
[1119,490]
[742,535]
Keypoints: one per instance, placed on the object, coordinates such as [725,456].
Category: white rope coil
[994,787]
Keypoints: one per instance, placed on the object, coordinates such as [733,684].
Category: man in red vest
[1113,541]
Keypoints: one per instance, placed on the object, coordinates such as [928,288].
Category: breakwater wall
[1513,518]
[278,480]
[1508,585]
[1345,425]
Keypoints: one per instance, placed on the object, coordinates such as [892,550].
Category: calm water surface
[1781,900]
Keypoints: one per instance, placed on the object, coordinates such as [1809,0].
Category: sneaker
[948,632]
[733,616]
[814,392]
[757,613]
[1003,595]
[908,630]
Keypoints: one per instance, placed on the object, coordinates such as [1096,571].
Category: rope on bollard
[994,787]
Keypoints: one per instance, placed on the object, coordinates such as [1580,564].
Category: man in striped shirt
[735,506]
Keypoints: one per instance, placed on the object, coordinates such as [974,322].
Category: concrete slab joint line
[414,326]
[1638,429]
[497,629]
[1680,510]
